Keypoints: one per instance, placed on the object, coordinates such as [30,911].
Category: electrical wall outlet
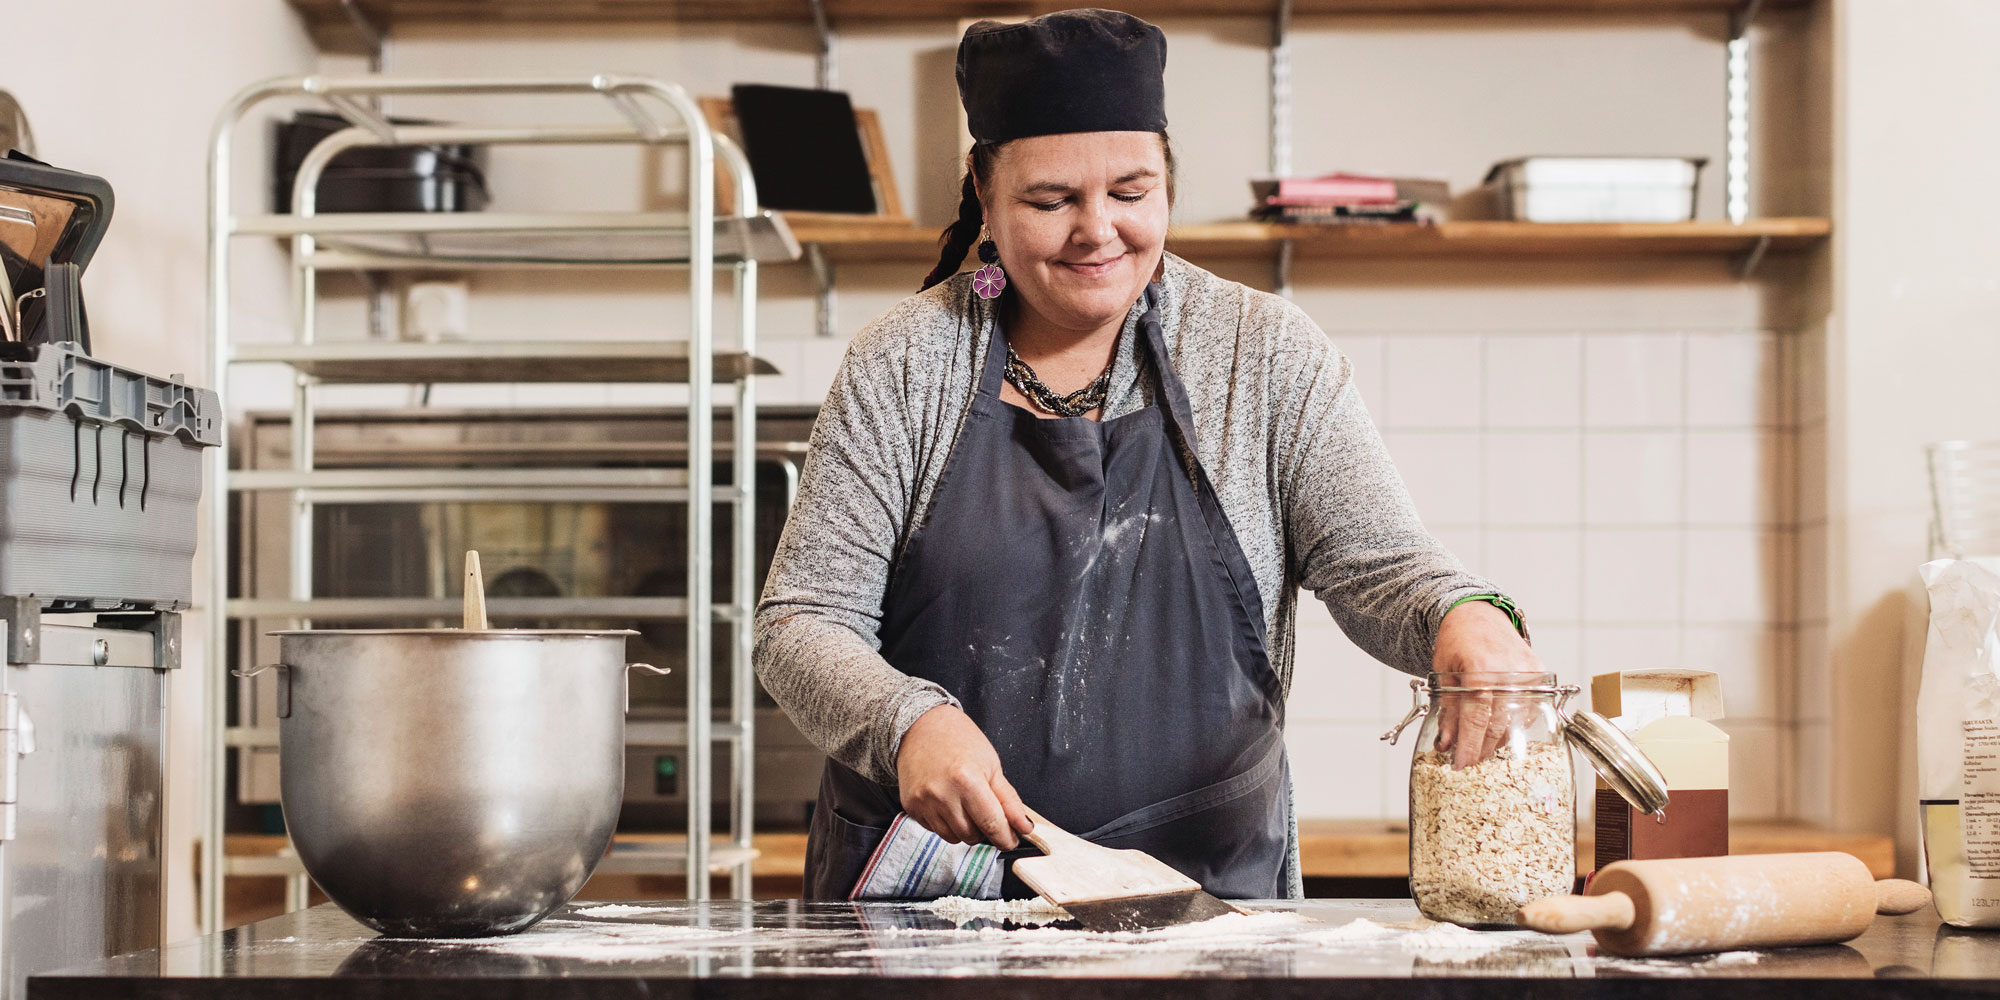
[435,310]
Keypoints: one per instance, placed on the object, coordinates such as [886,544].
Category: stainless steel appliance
[82,773]
[100,475]
[542,559]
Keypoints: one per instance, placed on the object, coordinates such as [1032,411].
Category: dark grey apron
[1077,587]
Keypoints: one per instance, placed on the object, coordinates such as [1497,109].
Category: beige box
[1669,714]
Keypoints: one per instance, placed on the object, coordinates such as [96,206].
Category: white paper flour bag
[1958,740]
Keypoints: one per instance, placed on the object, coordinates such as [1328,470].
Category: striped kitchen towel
[914,863]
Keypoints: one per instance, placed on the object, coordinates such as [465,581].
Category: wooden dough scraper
[1112,890]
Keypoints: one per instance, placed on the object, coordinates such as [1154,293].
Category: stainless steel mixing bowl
[446,782]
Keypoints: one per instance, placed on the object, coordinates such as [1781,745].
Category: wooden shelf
[334,31]
[869,243]
[1375,849]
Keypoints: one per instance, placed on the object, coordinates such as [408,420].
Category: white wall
[129,91]
[1611,438]
[1909,357]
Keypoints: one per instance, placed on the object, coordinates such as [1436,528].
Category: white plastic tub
[1595,188]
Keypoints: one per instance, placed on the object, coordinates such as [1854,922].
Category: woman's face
[1079,220]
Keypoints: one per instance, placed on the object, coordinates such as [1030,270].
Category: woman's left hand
[1477,639]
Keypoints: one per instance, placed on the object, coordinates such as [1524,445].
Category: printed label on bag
[1980,803]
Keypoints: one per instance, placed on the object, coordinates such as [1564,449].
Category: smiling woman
[1079,222]
[1048,543]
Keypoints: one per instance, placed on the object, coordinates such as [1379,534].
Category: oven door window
[548,565]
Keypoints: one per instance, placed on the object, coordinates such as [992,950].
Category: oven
[569,557]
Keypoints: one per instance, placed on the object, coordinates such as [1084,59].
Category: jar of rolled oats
[1493,795]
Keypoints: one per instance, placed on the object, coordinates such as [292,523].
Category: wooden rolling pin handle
[1612,911]
[1897,896]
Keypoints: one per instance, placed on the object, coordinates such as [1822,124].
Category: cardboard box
[1669,714]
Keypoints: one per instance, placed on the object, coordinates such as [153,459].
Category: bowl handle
[649,668]
[284,684]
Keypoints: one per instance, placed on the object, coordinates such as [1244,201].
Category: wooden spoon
[475,593]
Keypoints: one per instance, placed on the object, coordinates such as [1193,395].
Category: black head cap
[1070,71]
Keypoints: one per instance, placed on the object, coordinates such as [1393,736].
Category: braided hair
[957,239]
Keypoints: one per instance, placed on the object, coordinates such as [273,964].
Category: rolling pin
[1679,906]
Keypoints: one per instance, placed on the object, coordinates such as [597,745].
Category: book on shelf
[1336,187]
[1405,212]
[1347,198]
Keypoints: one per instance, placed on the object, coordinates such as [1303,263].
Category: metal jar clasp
[1420,706]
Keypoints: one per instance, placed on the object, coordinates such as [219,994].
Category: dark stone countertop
[785,950]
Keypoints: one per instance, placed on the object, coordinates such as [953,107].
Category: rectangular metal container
[1595,188]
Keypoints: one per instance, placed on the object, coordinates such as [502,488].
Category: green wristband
[1512,610]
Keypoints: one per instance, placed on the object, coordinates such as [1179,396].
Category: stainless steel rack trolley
[697,240]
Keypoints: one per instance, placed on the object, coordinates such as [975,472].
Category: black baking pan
[438,177]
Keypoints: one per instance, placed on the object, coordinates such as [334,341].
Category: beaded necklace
[1076,404]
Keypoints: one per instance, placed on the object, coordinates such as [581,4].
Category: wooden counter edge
[1330,848]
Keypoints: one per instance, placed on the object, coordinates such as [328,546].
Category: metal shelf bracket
[823,290]
[1737,140]
[1281,89]
[826,69]
[1747,261]
[372,34]
[1743,17]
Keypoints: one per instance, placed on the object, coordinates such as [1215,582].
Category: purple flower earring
[989,281]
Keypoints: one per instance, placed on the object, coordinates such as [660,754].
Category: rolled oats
[1487,839]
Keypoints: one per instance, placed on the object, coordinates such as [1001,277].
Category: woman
[1056,512]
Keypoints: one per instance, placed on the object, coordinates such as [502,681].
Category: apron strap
[1173,397]
[995,369]
[1173,401]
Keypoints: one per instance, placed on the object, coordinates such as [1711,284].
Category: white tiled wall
[1633,490]
[1812,692]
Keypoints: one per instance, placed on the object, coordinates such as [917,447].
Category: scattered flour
[1734,958]
[1680,966]
[1276,930]
[618,910]
[1360,929]
[1263,931]
[961,950]
[600,942]
[1451,938]
[961,910]
[1229,925]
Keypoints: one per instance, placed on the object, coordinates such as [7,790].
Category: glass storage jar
[1493,795]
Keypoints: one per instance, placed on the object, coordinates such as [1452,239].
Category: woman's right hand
[951,782]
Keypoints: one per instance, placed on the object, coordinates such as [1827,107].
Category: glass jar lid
[1618,760]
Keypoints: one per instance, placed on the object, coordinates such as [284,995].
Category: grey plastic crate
[100,474]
